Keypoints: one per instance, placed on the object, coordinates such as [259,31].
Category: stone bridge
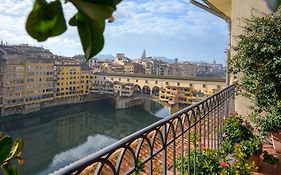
[151,84]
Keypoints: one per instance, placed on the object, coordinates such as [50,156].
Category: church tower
[143,56]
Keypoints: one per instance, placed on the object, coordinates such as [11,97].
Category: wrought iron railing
[155,149]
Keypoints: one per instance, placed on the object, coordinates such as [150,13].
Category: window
[128,80]
[167,83]
[179,84]
[204,85]
[112,78]
[146,81]
[119,79]
[137,81]
[156,82]
[190,85]
[218,86]
[104,78]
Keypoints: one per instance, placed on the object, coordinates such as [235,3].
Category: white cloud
[146,22]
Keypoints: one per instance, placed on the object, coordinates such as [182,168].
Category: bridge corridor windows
[155,91]
[137,89]
[146,90]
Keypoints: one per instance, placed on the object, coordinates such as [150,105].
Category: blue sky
[170,28]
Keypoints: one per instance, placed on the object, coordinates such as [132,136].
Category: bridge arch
[146,90]
[137,89]
[155,91]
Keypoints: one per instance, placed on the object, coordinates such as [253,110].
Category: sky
[169,28]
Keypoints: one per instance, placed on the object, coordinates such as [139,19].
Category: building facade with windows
[26,77]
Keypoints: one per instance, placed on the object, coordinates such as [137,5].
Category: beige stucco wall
[204,86]
[244,9]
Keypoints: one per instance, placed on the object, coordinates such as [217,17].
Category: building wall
[13,82]
[244,9]
[38,81]
[85,81]
[68,83]
[203,86]
[25,82]
[2,71]
[175,94]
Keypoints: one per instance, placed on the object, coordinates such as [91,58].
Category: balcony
[156,147]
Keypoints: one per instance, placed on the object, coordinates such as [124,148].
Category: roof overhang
[220,8]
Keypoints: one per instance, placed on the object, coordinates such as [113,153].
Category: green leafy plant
[238,164]
[256,66]
[9,151]
[251,146]
[47,20]
[139,167]
[206,162]
[238,131]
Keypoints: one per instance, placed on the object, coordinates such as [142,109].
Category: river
[57,136]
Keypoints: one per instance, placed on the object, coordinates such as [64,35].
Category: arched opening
[155,91]
[146,90]
[108,84]
[137,89]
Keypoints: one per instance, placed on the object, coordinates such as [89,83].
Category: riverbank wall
[24,109]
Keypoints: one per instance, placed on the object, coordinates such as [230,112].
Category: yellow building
[72,79]
[68,81]
[85,81]
[175,94]
[26,78]
[38,82]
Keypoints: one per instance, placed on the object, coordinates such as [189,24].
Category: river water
[57,136]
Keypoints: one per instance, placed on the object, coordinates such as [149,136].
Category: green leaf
[6,144]
[17,149]
[91,34]
[273,4]
[45,20]
[94,10]
[9,169]
[73,21]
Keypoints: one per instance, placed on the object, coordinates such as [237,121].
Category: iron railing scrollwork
[155,149]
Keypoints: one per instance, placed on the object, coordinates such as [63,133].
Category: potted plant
[256,69]
[252,148]
[239,132]
[269,158]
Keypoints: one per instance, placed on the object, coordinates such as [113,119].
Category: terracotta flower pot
[256,158]
[276,140]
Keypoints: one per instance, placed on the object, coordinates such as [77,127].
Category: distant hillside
[105,56]
[165,59]
[198,62]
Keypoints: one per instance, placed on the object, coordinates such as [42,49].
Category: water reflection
[56,136]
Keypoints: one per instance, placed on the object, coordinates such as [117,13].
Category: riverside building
[26,78]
